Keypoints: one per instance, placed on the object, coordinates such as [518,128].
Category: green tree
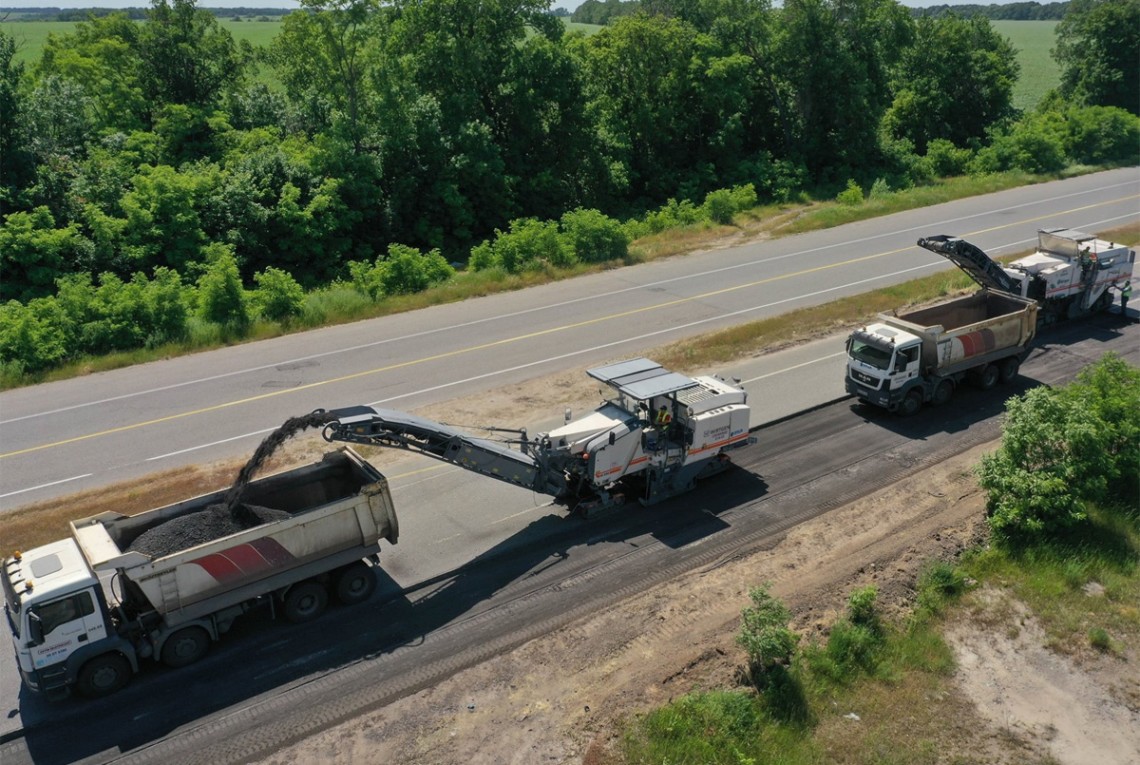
[837,56]
[188,56]
[1098,47]
[323,57]
[16,162]
[102,57]
[646,78]
[1062,448]
[163,227]
[953,83]
[34,252]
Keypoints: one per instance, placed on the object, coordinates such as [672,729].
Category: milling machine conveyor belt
[973,260]
[386,427]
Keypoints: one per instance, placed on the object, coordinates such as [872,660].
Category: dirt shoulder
[561,698]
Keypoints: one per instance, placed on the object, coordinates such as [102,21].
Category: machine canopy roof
[641,379]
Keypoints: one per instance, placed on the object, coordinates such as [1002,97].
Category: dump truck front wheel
[911,403]
[104,675]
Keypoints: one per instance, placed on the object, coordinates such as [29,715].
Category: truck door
[906,366]
[65,625]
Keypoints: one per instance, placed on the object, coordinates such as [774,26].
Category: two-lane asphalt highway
[62,437]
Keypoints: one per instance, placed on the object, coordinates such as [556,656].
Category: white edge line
[212,443]
[796,366]
[45,485]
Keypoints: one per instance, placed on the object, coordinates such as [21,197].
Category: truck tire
[911,403]
[943,393]
[1008,368]
[987,377]
[185,646]
[305,601]
[103,676]
[355,583]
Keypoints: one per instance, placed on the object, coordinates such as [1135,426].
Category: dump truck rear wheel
[355,584]
[305,602]
[943,393]
[185,646]
[1008,369]
[104,675]
[987,377]
[911,403]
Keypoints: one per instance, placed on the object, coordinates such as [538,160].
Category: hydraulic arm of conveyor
[973,260]
[385,427]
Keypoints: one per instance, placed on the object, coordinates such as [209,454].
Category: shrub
[278,296]
[1101,134]
[945,159]
[765,635]
[32,336]
[719,206]
[221,297]
[166,305]
[593,237]
[880,189]
[530,244]
[938,582]
[407,270]
[1099,639]
[852,195]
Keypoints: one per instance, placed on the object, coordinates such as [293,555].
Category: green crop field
[1033,40]
[1039,72]
[30,36]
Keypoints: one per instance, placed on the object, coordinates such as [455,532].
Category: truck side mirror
[35,628]
[613,438]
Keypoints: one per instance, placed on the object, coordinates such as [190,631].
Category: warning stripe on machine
[244,559]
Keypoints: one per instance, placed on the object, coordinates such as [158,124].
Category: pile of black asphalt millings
[230,515]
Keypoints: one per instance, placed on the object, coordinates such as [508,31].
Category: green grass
[895,679]
[1039,72]
[1052,577]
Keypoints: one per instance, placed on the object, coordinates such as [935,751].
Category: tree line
[411,136]
[604,11]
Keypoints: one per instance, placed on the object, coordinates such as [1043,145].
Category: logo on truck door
[244,559]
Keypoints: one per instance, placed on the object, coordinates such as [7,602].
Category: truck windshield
[870,354]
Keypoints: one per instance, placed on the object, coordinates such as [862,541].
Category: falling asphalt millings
[231,515]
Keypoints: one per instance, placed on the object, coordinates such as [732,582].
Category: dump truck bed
[963,330]
[331,513]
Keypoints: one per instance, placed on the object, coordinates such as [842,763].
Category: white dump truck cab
[884,362]
[59,620]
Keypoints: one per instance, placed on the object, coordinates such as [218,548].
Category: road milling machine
[1069,275]
[657,433]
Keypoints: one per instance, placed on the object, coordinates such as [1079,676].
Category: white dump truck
[86,610]
[904,360]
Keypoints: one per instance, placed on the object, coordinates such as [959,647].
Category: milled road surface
[267,685]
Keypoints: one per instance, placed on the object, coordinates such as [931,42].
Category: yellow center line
[527,336]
